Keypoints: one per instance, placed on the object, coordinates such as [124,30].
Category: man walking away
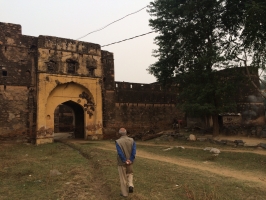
[126,151]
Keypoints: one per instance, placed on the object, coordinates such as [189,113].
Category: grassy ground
[25,173]
[234,160]
[85,171]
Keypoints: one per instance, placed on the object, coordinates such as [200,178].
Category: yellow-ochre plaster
[56,89]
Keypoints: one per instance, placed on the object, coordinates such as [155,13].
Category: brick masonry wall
[13,112]
[18,60]
[141,108]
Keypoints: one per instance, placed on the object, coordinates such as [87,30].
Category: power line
[128,39]
[111,23]
[111,43]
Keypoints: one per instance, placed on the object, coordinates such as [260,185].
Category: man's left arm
[133,152]
[120,153]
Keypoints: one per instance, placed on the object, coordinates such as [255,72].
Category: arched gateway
[81,97]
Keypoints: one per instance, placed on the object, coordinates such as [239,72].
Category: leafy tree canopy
[198,37]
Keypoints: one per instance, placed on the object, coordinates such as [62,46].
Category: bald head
[122,131]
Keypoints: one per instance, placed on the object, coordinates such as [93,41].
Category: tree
[199,37]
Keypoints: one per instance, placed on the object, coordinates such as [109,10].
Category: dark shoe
[130,189]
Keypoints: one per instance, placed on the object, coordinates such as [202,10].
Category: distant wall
[249,100]
[250,106]
[141,108]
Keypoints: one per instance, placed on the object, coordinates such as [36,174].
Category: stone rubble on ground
[212,150]
[168,149]
[215,151]
[192,137]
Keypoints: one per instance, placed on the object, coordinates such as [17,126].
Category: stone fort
[50,84]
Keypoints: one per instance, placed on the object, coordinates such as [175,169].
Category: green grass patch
[235,160]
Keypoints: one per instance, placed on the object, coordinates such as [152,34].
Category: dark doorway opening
[69,119]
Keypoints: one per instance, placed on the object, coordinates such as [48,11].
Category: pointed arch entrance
[70,95]
[69,118]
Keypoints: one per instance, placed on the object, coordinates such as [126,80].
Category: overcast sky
[75,18]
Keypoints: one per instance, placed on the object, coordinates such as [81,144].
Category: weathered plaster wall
[64,56]
[51,94]
[67,69]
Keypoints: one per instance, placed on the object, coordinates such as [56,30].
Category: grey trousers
[126,180]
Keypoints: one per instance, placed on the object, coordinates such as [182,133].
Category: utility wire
[109,44]
[111,23]
[128,39]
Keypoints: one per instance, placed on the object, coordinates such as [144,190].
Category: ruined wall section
[17,82]
[142,108]
[108,93]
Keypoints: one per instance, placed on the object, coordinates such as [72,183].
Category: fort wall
[38,74]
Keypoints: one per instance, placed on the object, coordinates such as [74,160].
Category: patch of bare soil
[250,177]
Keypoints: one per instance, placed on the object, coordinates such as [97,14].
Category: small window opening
[116,85]
[51,66]
[91,72]
[130,85]
[4,73]
[72,66]
[4,87]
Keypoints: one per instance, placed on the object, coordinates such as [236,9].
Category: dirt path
[255,151]
[204,167]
